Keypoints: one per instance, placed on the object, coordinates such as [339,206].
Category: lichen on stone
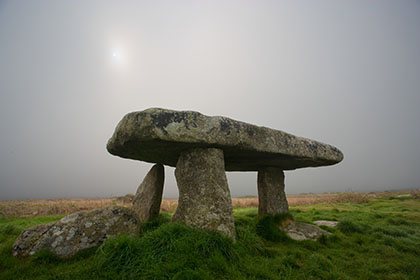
[77,232]
[160,136]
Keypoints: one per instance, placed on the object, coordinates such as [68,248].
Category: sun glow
[116,55]
[117,59]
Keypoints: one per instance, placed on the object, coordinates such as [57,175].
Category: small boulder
[326,223]
[77,231]
[126,199]
[303,231]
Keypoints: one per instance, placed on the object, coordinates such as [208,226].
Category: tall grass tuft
[269,226]
[349,227]
[9,229]
[46,257]
[163,218]
[163,251]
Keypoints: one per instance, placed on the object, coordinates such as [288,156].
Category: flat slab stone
[159,136]
[326,223]
[303,231]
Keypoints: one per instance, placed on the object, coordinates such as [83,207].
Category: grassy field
[378,237]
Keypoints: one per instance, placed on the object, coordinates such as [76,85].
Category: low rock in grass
[77,231]
[304,231]
[326,223]
[282,227]
[128,198]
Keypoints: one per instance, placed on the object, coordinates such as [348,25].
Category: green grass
[375,240]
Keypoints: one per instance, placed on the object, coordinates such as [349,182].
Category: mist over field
[343,73]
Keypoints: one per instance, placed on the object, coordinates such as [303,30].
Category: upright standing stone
[204,196]
[271,196]
[148,198]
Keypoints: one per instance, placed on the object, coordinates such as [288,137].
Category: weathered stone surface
[326,223]
[148,198]
[271,197]
[160,135]
[77,232]
[204,197]
[303,231]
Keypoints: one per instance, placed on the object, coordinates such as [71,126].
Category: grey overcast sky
[346,73]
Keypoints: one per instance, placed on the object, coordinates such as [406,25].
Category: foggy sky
[346,73]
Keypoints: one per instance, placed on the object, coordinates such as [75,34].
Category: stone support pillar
[271,197]
[204,196]
[146,202]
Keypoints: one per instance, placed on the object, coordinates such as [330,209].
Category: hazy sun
[117,57]
[116,54]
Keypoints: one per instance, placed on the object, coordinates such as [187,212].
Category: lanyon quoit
[202,148]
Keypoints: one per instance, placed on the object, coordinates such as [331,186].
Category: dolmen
[202,148]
